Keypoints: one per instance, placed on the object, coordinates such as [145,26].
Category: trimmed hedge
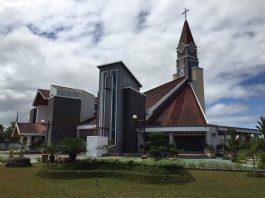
[182,177]
[18,162]
[146,171]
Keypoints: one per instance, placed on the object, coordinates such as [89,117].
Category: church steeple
[186,36]
[186,53]
[187,62]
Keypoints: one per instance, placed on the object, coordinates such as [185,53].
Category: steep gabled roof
[182,109]
[41,97]
[157,93]
[186,36]
[45,93]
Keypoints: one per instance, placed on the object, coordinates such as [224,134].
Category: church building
[125,115]
[176,108]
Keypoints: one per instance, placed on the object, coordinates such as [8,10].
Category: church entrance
[190,143]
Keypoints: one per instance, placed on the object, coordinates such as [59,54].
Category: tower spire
[186,52]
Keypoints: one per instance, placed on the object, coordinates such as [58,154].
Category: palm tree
[261,125]
[72,146]
[233,144]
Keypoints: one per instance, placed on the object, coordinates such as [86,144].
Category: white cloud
[230,37]
[221,109]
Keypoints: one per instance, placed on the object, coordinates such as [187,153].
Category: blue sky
[44,42]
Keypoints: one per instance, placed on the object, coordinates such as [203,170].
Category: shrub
[18,162]
[72,146]
[209,148]
[148,171]
[159,148]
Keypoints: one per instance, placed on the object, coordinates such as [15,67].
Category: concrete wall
[212,137]
[94,147]
[42,113]
[198,85]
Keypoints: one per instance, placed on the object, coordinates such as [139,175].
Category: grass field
[21,182]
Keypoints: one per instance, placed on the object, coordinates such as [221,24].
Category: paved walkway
[35,158]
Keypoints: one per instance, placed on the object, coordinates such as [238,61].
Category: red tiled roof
[36,128]
[182,109]
[186,36]
[41,97]
[45,93]
[157,93]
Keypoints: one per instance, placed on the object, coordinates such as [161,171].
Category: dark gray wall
[64,116]
[133,104]
[125,79]
[32,115]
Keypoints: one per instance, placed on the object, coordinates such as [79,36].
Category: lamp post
[136,119]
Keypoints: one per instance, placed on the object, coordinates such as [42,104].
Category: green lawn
[21,182]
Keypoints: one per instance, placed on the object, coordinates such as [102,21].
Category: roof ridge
[73,89]
[162,85]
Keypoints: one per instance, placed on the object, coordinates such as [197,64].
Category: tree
[261,125]
[1,132]
[6,134]
[261,128]
[72,146]
[233,144]
[159,148]
[52,149]
[251,150]
[157,145]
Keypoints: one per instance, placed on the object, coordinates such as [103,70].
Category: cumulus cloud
[45,42]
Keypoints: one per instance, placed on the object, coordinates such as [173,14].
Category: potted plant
[209,151]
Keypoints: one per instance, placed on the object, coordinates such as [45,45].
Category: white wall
[212,137]
[42,113]
[94,145]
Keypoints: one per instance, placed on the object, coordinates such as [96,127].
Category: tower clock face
[181,71]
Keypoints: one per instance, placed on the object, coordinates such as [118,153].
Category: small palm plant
[261,125]
[72,146]
[52,150]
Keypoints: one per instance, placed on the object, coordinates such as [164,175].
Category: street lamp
[135,119]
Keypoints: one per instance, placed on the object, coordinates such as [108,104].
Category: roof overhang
[239,130]
[176,129]
[86,126]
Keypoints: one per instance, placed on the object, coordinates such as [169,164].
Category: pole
[144,137]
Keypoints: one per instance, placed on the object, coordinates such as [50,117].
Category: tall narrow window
[113,74]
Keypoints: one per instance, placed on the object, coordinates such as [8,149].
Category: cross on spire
[185,12]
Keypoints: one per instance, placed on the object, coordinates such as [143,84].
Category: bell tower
[187,62]
[186,53]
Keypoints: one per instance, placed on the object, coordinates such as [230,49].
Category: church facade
[176,108]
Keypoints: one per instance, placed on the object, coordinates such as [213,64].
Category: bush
[18,162]
[209,148]
[148,171]
[72,146]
